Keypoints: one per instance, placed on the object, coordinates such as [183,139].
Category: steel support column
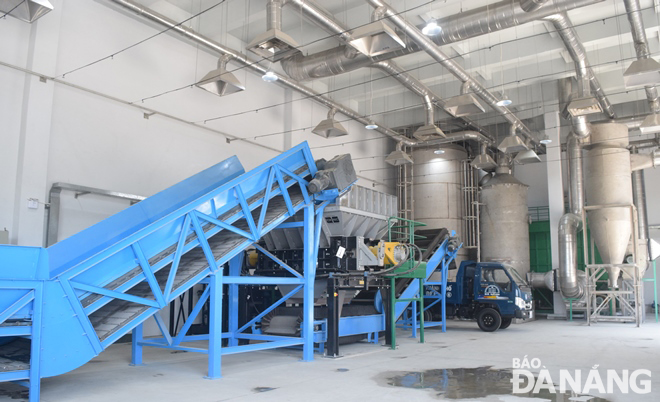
[308,288]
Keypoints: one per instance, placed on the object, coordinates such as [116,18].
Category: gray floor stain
[262,389]
[468,383]
[342,370]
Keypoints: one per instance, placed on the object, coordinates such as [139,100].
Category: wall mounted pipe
[576,49]
[252,65]
[459,72]
[465,25]
[633,10]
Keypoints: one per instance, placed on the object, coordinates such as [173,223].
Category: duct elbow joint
[531,5]
[581,128]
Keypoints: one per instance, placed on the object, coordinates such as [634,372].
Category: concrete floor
[363,371]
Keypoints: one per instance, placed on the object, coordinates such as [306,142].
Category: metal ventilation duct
[645,67]
[527,157]
[465,104]
[330,128]
[26,10]
[512,143]
[576,49]
[465,25]
[220,81]
[242,59]
[274,44]
[434,51]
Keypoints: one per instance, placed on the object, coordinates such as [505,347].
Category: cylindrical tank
[437,189]
[504,221]
[608,181]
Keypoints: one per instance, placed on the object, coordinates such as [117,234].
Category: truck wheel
[506,322]
[489,320]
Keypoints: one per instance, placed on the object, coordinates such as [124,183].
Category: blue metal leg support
[215,327]
[235,265]
[308,289]
[136,347]
[35,346]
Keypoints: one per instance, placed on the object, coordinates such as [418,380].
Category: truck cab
[492,293]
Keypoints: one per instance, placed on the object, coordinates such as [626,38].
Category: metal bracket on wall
[53,209]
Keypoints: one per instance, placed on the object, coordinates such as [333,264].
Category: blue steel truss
[439,262]
[65,304]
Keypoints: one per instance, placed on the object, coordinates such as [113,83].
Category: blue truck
[492,293]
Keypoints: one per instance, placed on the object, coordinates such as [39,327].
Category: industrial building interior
[294,200]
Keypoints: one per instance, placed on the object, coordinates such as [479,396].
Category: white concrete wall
[52,132]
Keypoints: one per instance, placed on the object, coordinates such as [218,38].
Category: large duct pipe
[458,137]
[432,49]
[274,14]
[252,65]
[634,13]
[531,5]
[578,53]
[417,87]
[575,175]
[571,223]
[455,28]
[639,199]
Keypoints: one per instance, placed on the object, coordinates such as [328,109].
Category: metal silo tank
[608,181]
[504,221]
[437,189]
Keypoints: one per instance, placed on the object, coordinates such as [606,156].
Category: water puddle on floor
[472,383]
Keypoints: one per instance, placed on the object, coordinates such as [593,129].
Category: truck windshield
[516,276]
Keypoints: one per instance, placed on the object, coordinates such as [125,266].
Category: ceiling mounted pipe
[432,49]
[633,10]
[455,28]
[531,5]
[251,65]
[421,90]
[273,44]
[576,50]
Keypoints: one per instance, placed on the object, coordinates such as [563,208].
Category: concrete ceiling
[524,62]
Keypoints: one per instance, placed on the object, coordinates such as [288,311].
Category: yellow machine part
[252,258]
[388,248]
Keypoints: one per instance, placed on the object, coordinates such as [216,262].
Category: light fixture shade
[375,39]
[583,107]
[28,11]
[651,124]
[504,102]
[429,132]
[525,157]
[431,28]
[641,73]
[330,128]
[269,76]
[483,162]
[220,82]
[273,45]
[398,158]
[545,140]
[512,144]
[463,105]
